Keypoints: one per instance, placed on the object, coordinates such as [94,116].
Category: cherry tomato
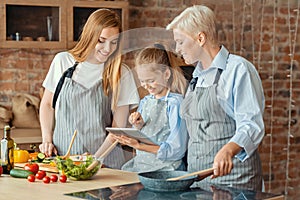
[46,179]
[63,178]
[31,178]
[40,175]
[33,167]
[53,178]
[42,172]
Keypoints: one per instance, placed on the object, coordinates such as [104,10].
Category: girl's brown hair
[164,59]
[97,21]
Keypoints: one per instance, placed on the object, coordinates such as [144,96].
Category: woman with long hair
[86,89]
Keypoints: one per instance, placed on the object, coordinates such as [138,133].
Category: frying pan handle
[204,175]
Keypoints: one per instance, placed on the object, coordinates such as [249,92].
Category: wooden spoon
[203,173]
[102,156]
[67,155]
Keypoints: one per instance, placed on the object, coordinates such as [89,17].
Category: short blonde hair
[196,19]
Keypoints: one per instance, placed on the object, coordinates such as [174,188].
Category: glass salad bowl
[75,167]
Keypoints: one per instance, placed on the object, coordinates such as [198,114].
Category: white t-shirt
[88,74]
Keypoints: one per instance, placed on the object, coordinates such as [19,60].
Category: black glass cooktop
[136,191]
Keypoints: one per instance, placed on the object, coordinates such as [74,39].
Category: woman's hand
[47,123]
[136,120]
[127,141]
[223,160]
[47,148]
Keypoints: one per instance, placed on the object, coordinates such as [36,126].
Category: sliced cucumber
[46,161]
[41,157]
[34,161]
[20,173]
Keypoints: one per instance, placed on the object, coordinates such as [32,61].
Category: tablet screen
[131,132]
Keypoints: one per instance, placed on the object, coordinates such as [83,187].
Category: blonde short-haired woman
[224,105]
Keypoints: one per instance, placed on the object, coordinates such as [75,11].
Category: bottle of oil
[7,151]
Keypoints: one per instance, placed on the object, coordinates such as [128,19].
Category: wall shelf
[29,19]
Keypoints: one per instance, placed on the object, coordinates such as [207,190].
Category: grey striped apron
[157,128]
[210,128]
[89,111]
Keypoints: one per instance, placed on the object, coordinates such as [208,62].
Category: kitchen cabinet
[29,20]
[80,10]
[52,24]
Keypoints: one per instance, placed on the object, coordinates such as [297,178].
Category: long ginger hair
[97,21]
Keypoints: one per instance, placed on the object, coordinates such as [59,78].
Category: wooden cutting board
[42,166]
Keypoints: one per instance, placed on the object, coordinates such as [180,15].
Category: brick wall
[22,70]
[258,30]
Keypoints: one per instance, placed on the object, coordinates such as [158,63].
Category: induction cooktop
[136,191]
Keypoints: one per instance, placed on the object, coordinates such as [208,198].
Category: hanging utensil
[201,173]
[67,155]
[102,156]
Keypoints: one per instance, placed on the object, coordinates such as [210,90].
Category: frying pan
[157,180]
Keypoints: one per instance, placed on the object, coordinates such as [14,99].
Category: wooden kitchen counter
[19,189]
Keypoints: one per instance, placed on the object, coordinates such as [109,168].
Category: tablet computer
[131,132]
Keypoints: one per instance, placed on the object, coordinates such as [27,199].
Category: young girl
[158,113]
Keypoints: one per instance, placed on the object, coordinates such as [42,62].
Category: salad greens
[76,170]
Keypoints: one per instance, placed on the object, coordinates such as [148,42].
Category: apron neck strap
[68,73]
[168,92]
